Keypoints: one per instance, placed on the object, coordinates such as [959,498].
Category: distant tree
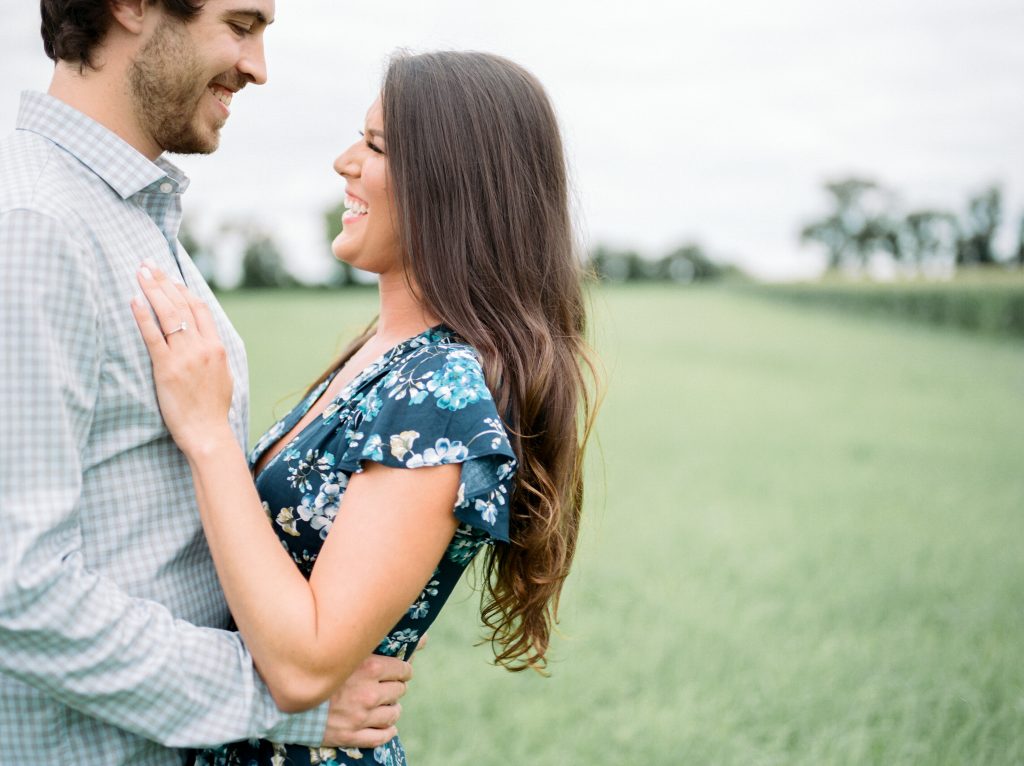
[689,263]
[616,265]
[930,235]
[882,233]
[984,214]
[830,233]
[341,272]
[853,228]
[262,263]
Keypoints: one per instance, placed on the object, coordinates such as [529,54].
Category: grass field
[986,301]
[804,544]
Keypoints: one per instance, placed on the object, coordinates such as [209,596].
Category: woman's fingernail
[149,262]
[146,273]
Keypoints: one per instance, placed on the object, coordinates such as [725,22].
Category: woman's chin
[342,249]
[367,259]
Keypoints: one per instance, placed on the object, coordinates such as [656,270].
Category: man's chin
[192,144]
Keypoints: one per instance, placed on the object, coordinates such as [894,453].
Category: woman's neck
[402,313]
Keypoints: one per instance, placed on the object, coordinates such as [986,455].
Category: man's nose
[253,63]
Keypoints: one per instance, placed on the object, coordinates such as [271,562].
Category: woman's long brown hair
[480,184]
[479,177]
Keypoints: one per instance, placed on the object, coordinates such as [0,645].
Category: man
[109,605]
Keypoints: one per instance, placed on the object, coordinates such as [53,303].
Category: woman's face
[369,236]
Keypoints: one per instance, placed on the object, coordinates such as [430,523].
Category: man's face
[182,81]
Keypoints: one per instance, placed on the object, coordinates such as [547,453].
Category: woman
[456,422]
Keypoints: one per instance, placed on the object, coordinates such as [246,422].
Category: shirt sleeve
[64,629]
[435,409]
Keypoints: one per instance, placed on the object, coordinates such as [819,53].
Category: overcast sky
[709,121]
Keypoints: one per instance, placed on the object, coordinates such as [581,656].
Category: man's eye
[240,30]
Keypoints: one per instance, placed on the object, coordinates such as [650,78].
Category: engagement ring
[179,328]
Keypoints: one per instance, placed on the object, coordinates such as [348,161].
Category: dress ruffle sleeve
[434,408]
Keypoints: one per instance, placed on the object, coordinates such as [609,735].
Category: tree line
[682,265]
[263,264]
[865,221]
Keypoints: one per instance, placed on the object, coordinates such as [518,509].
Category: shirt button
[166,187]
[233,414]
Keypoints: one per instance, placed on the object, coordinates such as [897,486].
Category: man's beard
[166,87]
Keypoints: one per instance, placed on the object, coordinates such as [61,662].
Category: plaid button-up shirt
[111,642]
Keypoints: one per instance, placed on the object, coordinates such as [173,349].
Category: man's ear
[130,14]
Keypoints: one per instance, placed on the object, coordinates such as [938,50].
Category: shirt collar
[110,157]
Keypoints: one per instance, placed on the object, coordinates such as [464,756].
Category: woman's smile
[355,209]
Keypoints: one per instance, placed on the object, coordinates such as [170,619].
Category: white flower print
[286,520]
[443,452]
[488,510]
[401,444]
[321,510]
[322,755]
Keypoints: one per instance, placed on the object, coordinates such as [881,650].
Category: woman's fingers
[367,738]
[170,306]
[384,716]
[392,691]
[167,316]
[201,312]
[179,301]
[151,333]
[176,308]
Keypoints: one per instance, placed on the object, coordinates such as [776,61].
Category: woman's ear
[130,14]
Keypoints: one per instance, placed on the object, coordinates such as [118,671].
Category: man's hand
[365,709]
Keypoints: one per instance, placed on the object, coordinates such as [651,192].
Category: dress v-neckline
[344,394]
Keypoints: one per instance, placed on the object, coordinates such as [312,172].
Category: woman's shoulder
[440,370]
[432,405]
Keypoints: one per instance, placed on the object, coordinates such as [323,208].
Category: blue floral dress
[423,403]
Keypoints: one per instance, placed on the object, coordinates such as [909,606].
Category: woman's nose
[347,163]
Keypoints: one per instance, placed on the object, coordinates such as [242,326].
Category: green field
[804,544]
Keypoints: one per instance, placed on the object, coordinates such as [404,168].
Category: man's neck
[102,94]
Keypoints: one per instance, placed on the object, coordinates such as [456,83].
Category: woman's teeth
[356,207]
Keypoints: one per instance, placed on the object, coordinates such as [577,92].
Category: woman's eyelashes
[369,142]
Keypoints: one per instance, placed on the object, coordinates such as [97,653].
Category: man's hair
[72,29]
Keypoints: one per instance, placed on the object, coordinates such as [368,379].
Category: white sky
[714,121]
